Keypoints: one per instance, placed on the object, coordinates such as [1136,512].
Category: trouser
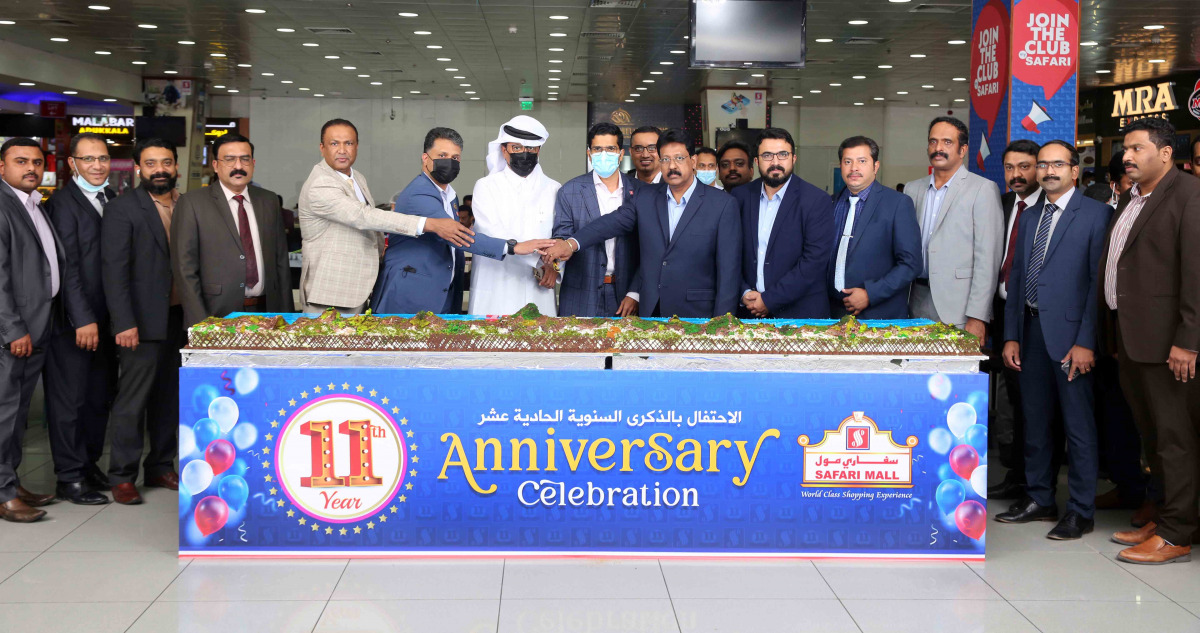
[920,303]
[608,301]
[1044,390]
[78,385]
[147,402]
[1120,444]
[315,309]
[18,378]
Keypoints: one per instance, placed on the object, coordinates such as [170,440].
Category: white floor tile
[93,617]
[760,616]
[784,580]
[235,580]
[1063,576]
[579,579]
[924,616]
[592,616]
[229,617]
[10,562]
[1028,537]
[150,527]
[433,579]
[1178,581]
[900,580]
[1194,607]
[39,536]
[1099,617]
[92,577]
[410,616]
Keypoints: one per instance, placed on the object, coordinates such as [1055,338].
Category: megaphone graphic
[984,151]
[1037,115]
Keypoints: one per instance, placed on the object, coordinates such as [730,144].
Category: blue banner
[377,461]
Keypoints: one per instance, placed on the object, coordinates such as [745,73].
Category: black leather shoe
[1028,510]
[95,478]
[1071,527]
[80,494]
[1006,490]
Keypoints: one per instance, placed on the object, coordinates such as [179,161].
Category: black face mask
[522,164]
[445,170]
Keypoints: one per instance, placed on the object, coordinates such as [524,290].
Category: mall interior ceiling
[904,52]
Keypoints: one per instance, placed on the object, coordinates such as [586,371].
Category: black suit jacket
[26,305]
[207,257]
[78,226]
[136,265]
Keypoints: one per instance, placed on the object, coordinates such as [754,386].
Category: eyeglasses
[645,149]
[233,160]
[612,149]
[88,160]
[739,163]
[678,160]
[517,148]
[771,156]
[1057,165]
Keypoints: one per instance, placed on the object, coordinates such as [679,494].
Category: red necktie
[247,243]
[1012,244]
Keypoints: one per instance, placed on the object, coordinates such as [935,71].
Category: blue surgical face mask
[89,187]
[707,176]
[605,163]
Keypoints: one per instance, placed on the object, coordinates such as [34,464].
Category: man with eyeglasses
[515,199]
[1050,334]
[734,165]
[643,147]
[787,225]
[229,248]
[689,238]
[426,273]
[79,382]
[601,280]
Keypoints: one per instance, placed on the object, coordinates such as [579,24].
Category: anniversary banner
[387,461]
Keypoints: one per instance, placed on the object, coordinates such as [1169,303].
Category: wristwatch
[512,245]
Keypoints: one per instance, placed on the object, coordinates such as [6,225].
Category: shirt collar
[1032,198]
[229,194]
[1135,192]
[762,194]
[687,195]
[596,180]
[447,191]
[24,197]
[862,195]
[952,178]
[1064,200]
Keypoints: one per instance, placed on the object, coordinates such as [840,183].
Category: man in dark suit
[426,272]
[601,280]
[689,237]
[40,296]
[1150,297]
[79,383]
[228,247]
[1051,325]
[147,320]
[786,228]
[877,244]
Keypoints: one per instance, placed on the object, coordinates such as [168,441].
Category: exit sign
[526,103]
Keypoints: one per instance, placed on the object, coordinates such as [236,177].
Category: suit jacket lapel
[1060,229]
[150,215]
[262,218]
[862,218]
[957,183]
[787,206]
[362,184]
[664,222]
[85,202]
[591,201]
[689,211]
[1156,197]
[19,210]
[220,206]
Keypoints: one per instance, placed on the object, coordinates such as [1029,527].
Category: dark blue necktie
[1038,256]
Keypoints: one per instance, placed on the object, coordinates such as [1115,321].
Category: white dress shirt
[768,208]
[610,201]
[1029,201]
[448,195]
[30,202]
[257,290]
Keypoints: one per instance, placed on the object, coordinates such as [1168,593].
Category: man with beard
[148,321]
[733,165]
[689,238]
[962,232]
[1050,340]
[517,199]
[426,273]
[787,224]
[643,145]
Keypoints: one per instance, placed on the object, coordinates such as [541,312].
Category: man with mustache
[962,232]
[733,165]
[148,321]
[1151,301]
[689,238]
[40,297]
[1050,340]
[643,146]
[229,248]
[787,224]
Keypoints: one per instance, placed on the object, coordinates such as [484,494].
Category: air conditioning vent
[615,4]
[321,30]
[938,8]
[57,22]
[603,35]
[864,41]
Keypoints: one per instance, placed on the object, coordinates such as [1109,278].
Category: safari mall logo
[857,455]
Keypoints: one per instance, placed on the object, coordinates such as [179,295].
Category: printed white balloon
[939,386]
[940,441]
[225,411]
[245,380]
[244,435]
[187,441]
[197,475]
[979,481]
[960,417]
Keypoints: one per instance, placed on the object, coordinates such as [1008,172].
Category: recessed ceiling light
[859,77]
[758,75]
[742,83]
[70,92]
[397,97]
[444,59]
[960,79]
[642,88]
[147,26]
[110,100]
[474,98]
[256,10]
[635,94]
[187,42]
[317,94]
[285,30]
[363,76]
[647,81]
[885,66]
[656,72]
[959,100]
[422,32]
[451,70]
[104,52]
[554,61]
[816,92]
[415,92]
[934,105]
[558,17]
[434,47]
[783,103]
[459,77]
[917,55]
[407,15]
[554,70]
[349,67]
[901,92]
[59,39]
[629,100]
[468,92]
[170,72]
[244,66]
[797,96]
[27,83]
[311,44]
[9,22]
[1103,71]
[678,52]
[286,81]
[836,85]
[1089,43]
[232,91]
[857,22]
[333,57]
[268,74]
[879,98]
[927,86]
[1158,61]
[98,7]
[218,54]
[464,85]
[376,83]
[304,89]
[1153,27]
[558,35]
[824,40]
[219,87]
[956,42]
[556,99]
[858,103]
[555,50]
[666,63]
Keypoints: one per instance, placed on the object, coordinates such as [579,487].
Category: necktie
[247,243]
[839,271]
[1012,244]
[1038,256]
[101,198]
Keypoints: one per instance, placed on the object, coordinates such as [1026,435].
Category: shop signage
[1131,104]
[103,125]
[1194,101]
[53,109]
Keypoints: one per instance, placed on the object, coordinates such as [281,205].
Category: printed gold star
[291,402]
[303,520]
[385,400]
[357,529]
[331,386]
[358,387]
[408,486]
[342,532]
[392,509]
[403,498]
[275,423]
[345,385]
[412,447]
[329,530]
[268,477]
[395,409]
[273,490]
[411,472]
[303,394]
[382,518]
[280,504]
[408,434]
[415,459]
[266,450]
[315,527]
[403,421]
[266,464]
[269,437]
[370,525]
[290,513]
[372,392]
[281,412]
[317,389]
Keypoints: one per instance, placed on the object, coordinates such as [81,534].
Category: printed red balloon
[971,519]
[963,460]
[211,514]
[220,455]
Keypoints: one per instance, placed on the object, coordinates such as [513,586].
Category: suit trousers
[920,304]
[1044,390]
[78,385]
[147,401]
[608,301]
[1171,437]
[1120,444]
[18,378]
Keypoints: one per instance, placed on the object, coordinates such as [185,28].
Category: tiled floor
[114,568]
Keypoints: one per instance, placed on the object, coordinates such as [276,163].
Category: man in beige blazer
[343,231]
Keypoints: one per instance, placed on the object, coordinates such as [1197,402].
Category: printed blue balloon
[203,396]
[978,400]
[234,491]
[244,435]
[949,495]
[185,502]
[976,436]
[205,431]
[940,440]
[946,473]
[238,468]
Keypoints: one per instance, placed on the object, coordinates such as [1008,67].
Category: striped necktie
[1038,256]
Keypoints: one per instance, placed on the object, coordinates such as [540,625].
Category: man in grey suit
[228,247]
[962,229]
[40,295]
